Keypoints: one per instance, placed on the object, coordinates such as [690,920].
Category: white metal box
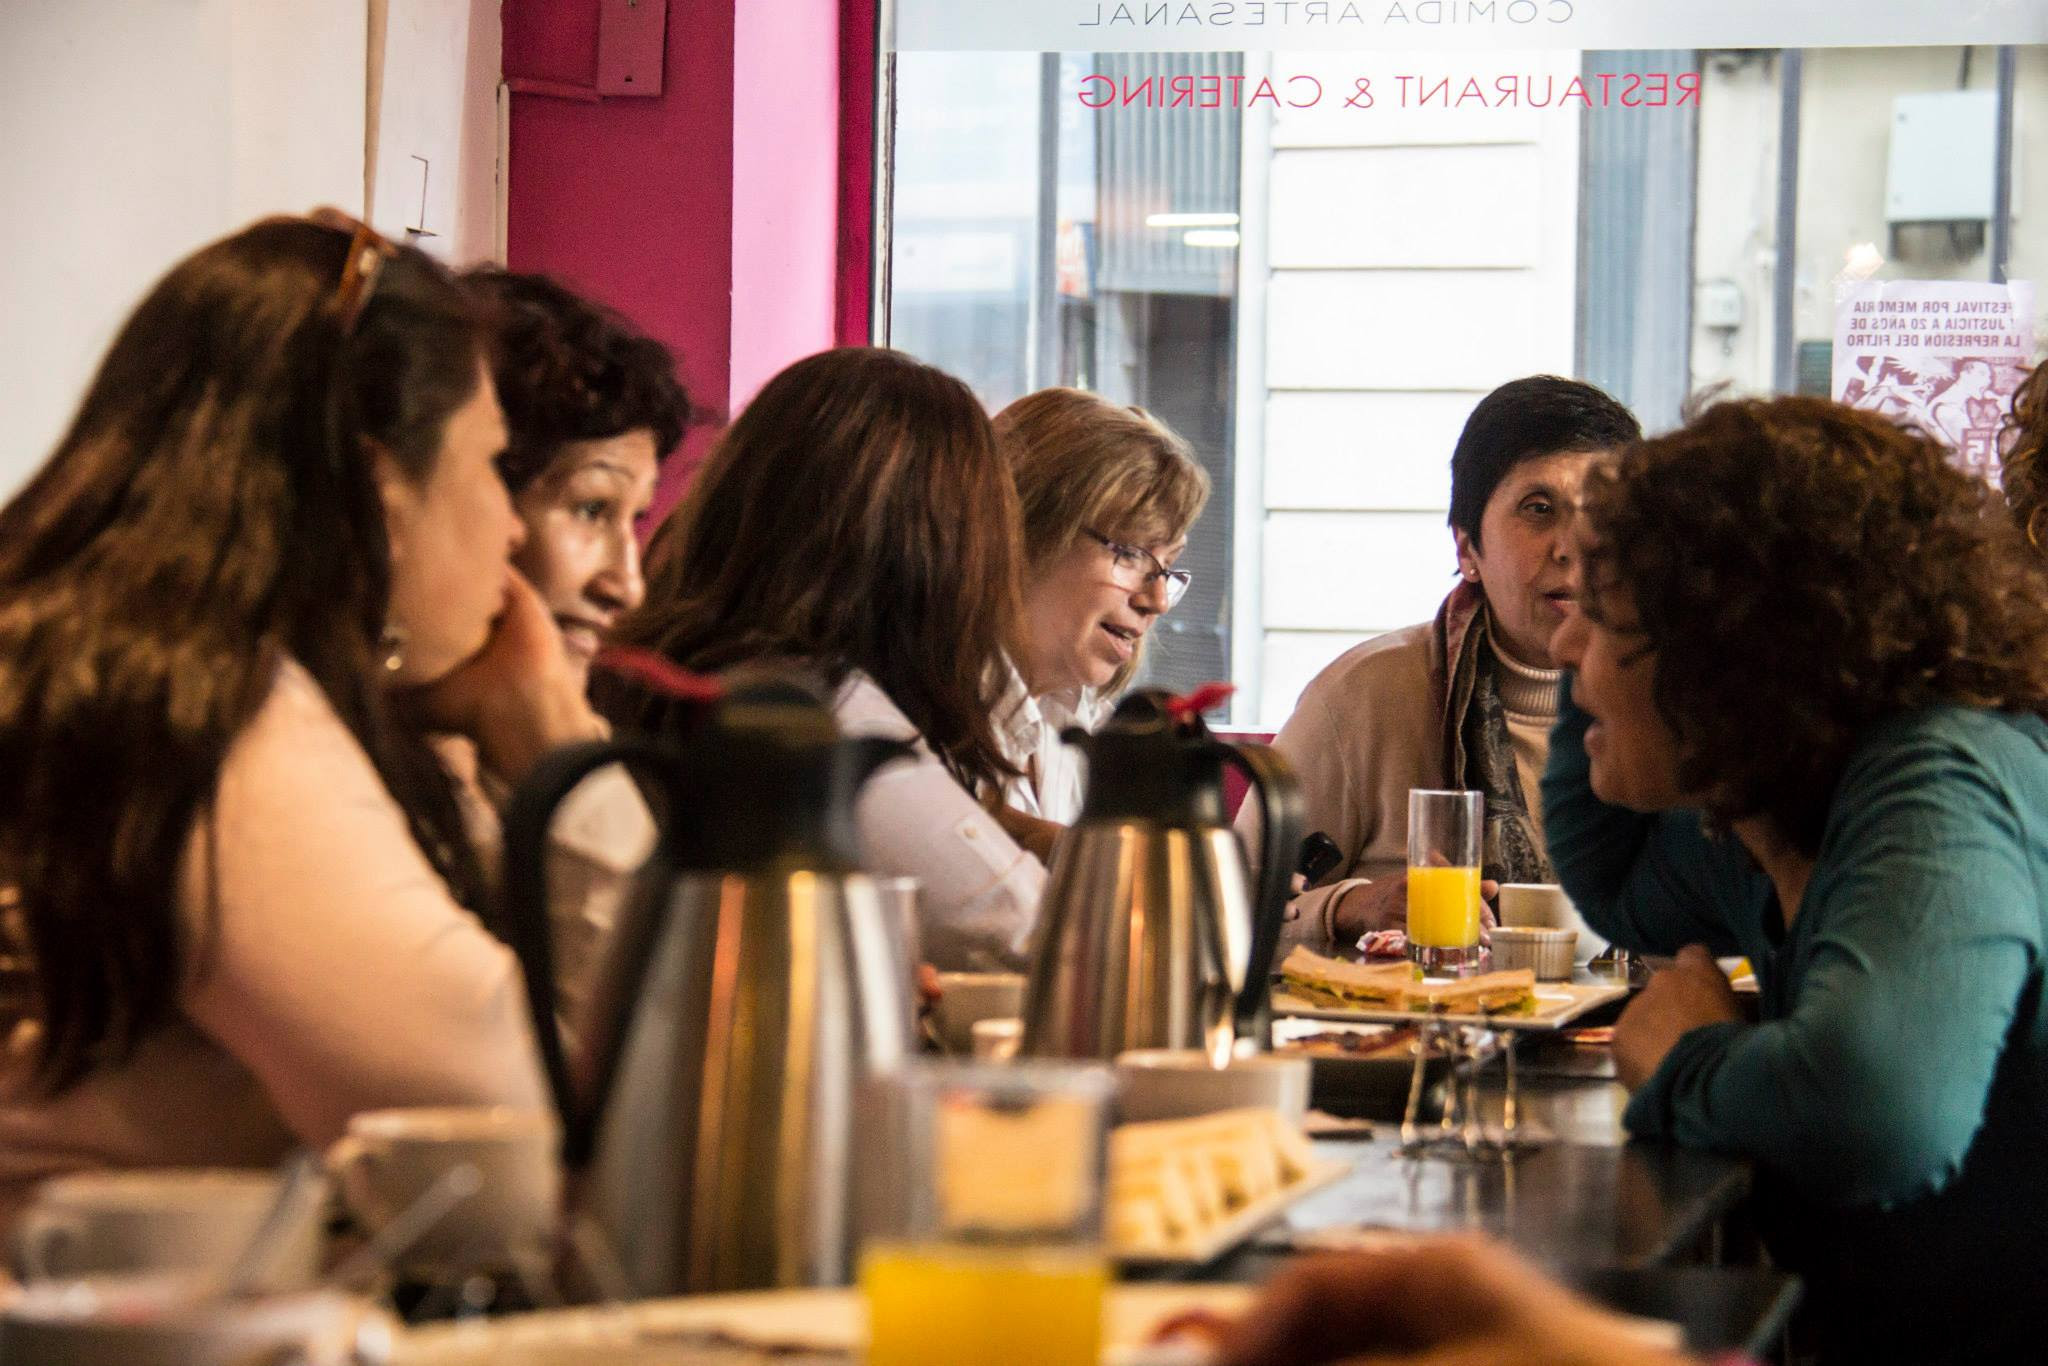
[1943,157]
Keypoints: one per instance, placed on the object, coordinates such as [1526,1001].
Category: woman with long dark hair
[269,556]
[858,523]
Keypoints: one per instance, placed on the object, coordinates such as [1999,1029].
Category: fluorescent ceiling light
[1190,220]
[1211,237]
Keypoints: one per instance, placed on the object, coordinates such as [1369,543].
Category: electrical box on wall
[1944,157]
[1718,304]
[630,44]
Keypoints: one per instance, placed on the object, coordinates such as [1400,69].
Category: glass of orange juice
[988,1246]
[1445,832]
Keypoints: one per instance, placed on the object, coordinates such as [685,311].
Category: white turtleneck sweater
[1529,698]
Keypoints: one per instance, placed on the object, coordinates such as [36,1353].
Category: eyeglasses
[368,250]
[1136,567]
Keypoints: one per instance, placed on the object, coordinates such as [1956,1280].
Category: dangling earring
[391,649]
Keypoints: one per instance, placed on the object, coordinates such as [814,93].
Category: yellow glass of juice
[961,1305]
[1443,907]
[1445,833]
[993,1252]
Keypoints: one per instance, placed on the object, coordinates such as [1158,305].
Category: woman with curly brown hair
[1807,727]
[592,408]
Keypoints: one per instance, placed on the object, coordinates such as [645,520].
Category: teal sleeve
[1650,883]
[1923,935]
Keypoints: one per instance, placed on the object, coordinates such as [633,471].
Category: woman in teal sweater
[1806,726]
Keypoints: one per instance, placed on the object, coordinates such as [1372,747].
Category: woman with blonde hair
[1108,494]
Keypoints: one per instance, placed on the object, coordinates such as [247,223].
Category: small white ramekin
[1548,952]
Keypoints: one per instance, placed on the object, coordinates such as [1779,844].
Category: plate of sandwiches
[1184,1191]
[1319,988]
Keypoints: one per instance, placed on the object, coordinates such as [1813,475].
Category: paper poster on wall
[1943,355]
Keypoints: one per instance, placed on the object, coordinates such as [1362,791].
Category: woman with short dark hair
[592,408]
[1811,677]
[1465,700]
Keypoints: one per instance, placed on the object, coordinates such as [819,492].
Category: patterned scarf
[1478,755]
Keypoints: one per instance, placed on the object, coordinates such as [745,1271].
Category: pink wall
[856,168]
[630,200]
[729,214]
[785,186]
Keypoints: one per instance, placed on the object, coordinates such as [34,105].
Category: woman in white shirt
[269,556]
[857,523]
[592,409]
[1108,494]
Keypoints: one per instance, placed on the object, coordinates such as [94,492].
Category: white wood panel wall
[135,133]
[1414,259]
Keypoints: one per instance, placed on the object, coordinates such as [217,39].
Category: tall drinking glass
[1445,832]
[990,1247]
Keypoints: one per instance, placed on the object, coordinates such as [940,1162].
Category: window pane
[1313,264]
[1042,240]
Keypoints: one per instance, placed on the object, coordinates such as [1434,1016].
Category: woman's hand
[1443,1300]
[1382,904]
[518,697]
[1692,992]
[1031,833]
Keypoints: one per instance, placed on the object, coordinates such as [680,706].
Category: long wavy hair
[2026,450]
[1803,570]
[210,513]
[856,516]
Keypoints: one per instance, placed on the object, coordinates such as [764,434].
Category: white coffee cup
[173,1321]
[193,1220]
[1179,1083]
[965,997]
[1545,906]
[997,1040]
[899,896]
[391,1160]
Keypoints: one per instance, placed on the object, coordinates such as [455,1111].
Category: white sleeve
[602,834]
[326,954]
[979,903]
[1316,748]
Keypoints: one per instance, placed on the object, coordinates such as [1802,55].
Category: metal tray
[1372,1083]
[1557,1004]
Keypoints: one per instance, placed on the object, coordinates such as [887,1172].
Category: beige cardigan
[1363,733]
[338,976]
